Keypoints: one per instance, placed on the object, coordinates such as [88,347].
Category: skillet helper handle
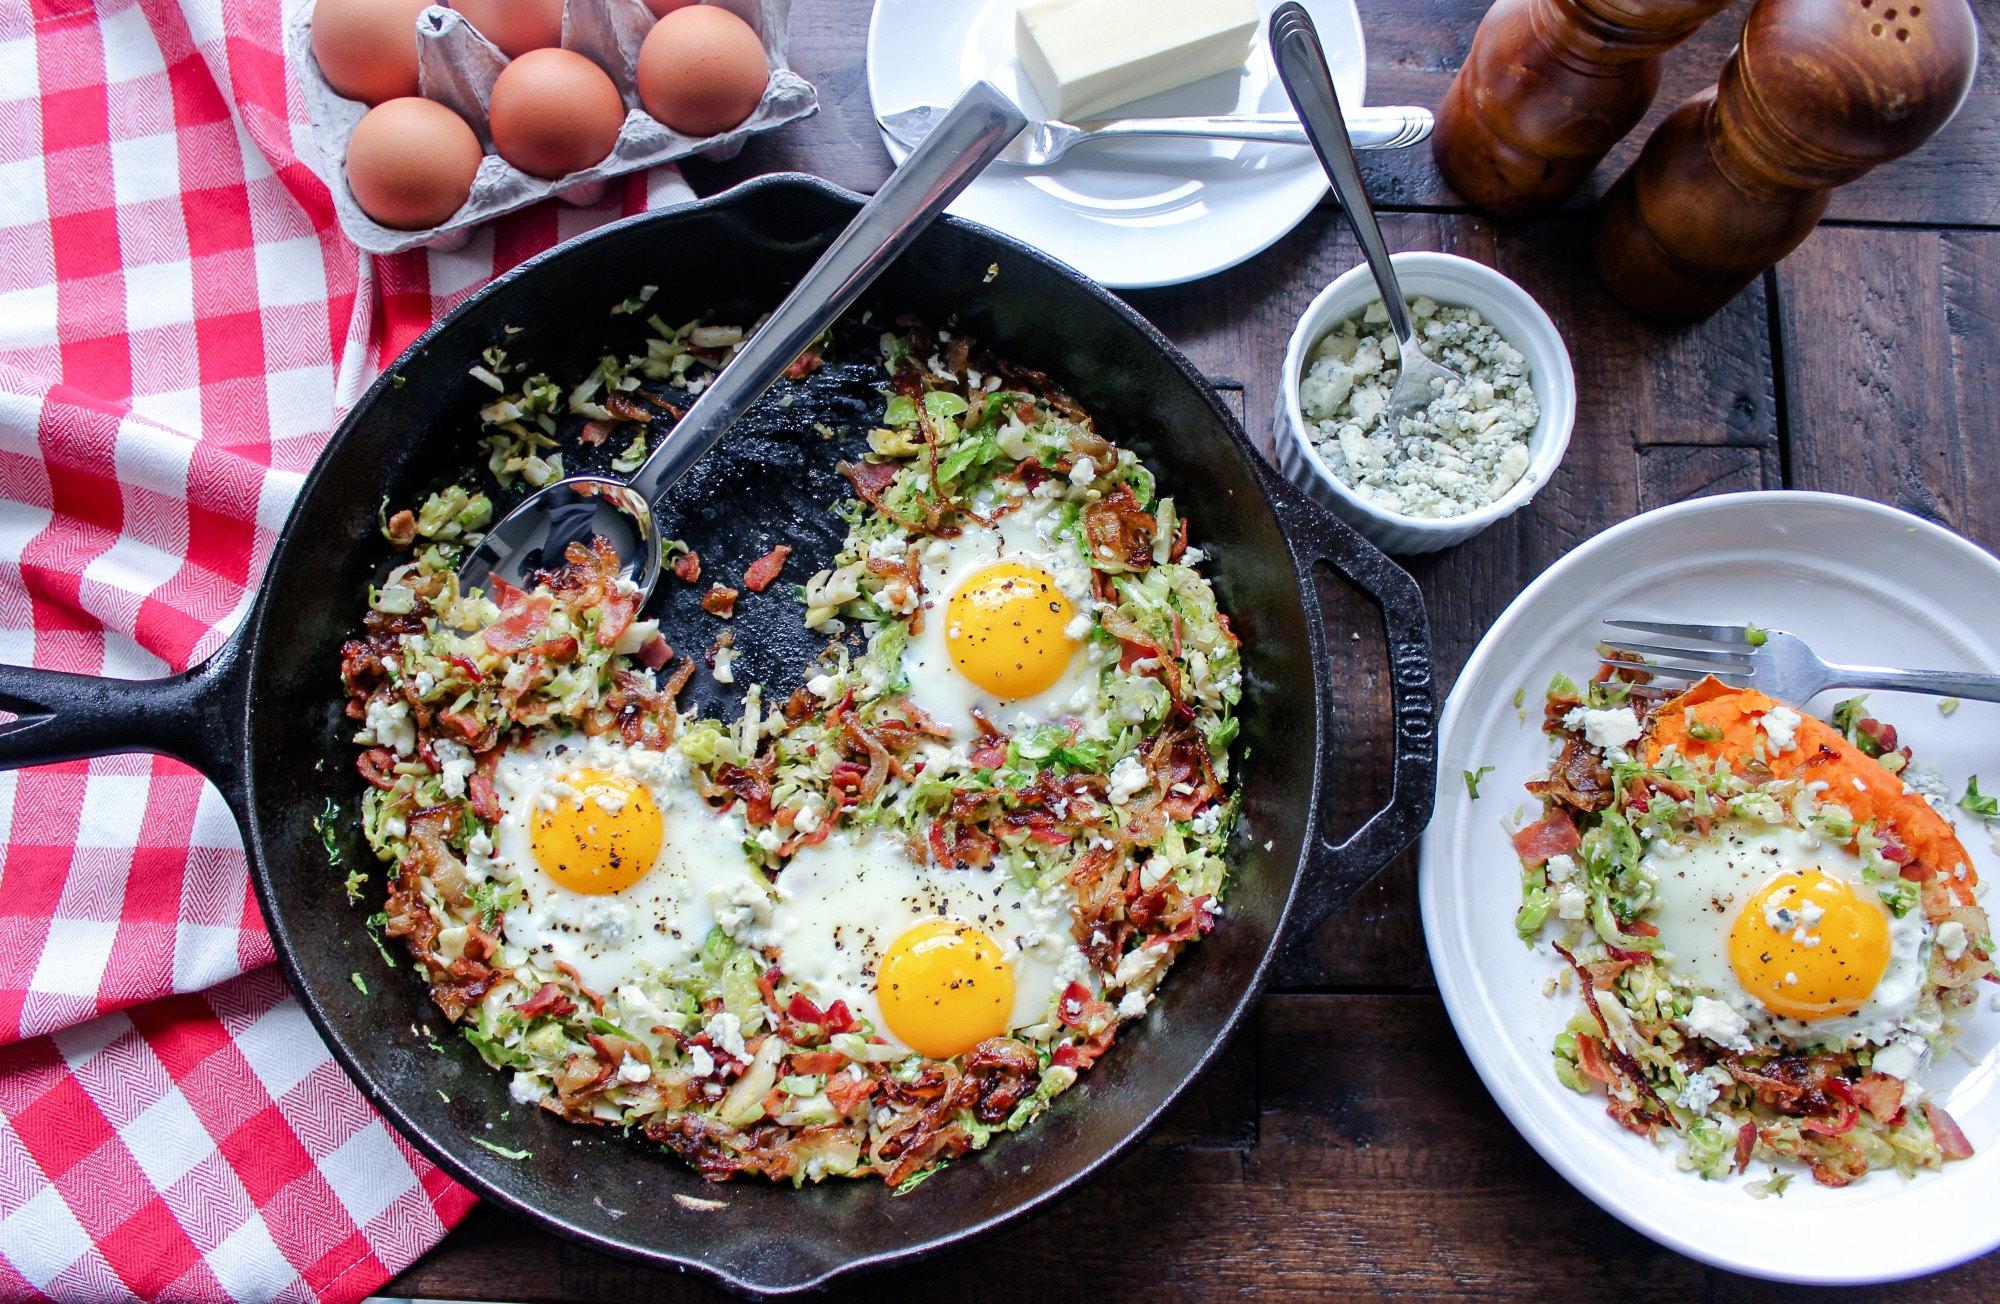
[194,716]
[1334,872]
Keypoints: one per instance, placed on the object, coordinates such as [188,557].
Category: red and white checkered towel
[180,323]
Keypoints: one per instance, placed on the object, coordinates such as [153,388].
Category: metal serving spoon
[1302,67]
[1044,143]
[534,535]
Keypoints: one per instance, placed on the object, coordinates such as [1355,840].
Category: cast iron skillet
[261,718]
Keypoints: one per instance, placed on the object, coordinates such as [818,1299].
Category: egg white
[840,905]
[1703,889]
[650,930]
[937,685]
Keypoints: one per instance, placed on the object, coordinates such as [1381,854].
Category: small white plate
[1862,583]
[1134,213]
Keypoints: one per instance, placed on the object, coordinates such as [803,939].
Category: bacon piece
[617,611]
[1951,1141]
[804,365]
[719,601]
[804,1011]
[1879,1094]
[991,757]
[1577,779]
[518,628]
[485,800]
[655,652]
[1746,1145]
[1069,1010]
[839,1018]
[1187,766]
[1006,1071]
[549,1001]
[1553,835]
[403,528]
[755,790]
[819,1061]
[765,569]
[622,407]
[687,566]
[378,766]
[1119,532]
[595,432]
[846,1094]
[870,479]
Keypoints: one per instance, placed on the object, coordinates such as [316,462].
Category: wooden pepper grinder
[1815,94]
[1548,87]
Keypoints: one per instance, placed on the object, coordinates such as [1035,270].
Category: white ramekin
[1456,282]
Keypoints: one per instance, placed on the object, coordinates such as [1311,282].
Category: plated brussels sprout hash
[1773,928]
[859,930]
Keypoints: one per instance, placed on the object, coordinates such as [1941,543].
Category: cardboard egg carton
[457,67]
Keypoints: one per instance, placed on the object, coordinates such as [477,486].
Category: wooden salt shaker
[1548,87]
[1817,93]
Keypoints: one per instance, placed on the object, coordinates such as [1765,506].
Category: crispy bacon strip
[517,629]
[1951,1140]
[1553,835]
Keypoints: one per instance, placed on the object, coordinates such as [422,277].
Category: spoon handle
[1302,67]
[975,130]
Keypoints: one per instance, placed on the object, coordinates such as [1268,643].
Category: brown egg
[701,70]
[661,8]
[554,112]
[368,48]
[516,26]
[410,163]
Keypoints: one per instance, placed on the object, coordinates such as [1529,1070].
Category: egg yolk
[1809,946]
[944,987]
[1005,627]
[603,837]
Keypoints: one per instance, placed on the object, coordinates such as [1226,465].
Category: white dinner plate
[1862,583]
[1133,213]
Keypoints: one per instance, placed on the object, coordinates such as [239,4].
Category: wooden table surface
[1357,1153]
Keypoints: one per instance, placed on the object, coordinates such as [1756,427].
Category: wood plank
[1672,474]
[1413,50]
[1888,341]
[1381,1169]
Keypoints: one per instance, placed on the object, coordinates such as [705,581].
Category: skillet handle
[196,716]
[1333,872]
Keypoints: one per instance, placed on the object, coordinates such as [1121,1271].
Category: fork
[1781,665]
[1043,143]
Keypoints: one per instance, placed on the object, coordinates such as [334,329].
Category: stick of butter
[1086,56]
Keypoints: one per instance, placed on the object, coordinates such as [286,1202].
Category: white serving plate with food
[1129,214]
[1861,582]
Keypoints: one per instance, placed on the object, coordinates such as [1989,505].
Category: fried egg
[1783,928]
[1006,612]
[936,959]
[615,854]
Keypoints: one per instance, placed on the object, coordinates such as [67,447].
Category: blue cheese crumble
[1468,448]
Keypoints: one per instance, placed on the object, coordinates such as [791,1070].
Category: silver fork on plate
[1780,665]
